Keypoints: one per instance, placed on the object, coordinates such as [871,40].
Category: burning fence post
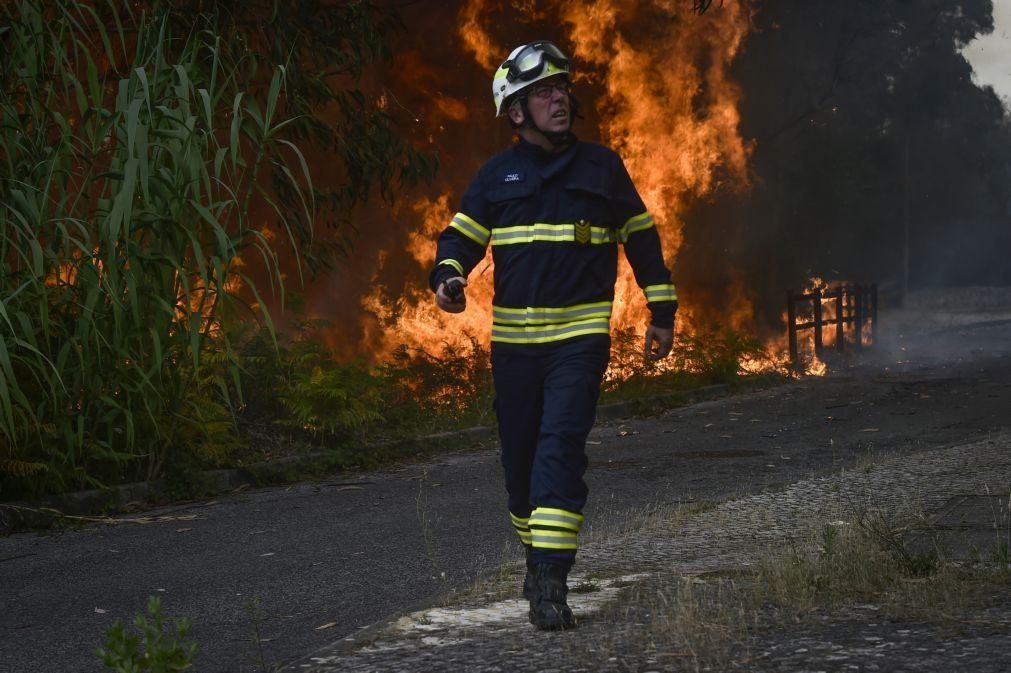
[874,313]
[791,322]
[858,318]
[818,324]
[840,314]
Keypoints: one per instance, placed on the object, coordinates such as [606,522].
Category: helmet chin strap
[557,139]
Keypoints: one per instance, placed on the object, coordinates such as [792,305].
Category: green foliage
[148,156]
[307,389]
[715,353]
[156,646]
[325,396]
[439,390]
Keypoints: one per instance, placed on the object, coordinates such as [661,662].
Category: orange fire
[669,107]
[674,122]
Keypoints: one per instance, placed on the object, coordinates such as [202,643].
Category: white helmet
[526,65]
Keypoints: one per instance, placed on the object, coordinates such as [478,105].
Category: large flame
[667,105]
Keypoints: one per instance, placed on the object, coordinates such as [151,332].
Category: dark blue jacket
[554,222]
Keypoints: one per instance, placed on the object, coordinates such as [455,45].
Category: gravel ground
[494,635]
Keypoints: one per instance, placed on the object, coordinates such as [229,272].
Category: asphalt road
[268,576]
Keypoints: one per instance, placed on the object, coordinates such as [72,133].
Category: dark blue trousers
[546,399]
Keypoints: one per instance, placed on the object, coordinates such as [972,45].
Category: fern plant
[326,397]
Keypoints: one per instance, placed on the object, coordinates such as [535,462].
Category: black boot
[549,609]
[530,581]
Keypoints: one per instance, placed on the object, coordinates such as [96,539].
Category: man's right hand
[446,302]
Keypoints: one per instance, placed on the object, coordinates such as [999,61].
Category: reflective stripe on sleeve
[453,263]
[640,222]
[546,333]
[554,233]
[662,292]
[471,229]
[532,315]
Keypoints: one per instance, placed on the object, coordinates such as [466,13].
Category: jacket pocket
[512,204]
[587,200]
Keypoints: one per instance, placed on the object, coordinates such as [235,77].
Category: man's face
[548,103]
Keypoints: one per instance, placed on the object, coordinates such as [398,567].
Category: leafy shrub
[152,648]
[438,391]
[325,396]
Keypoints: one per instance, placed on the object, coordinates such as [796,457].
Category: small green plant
[892,539]
[828,537]
[1001,556]
[257,618]
[157,647]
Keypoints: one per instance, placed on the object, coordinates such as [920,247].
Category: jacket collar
[548,163]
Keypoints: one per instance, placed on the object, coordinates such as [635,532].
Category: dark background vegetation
[871,143]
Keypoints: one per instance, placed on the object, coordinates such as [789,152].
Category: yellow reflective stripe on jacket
[471,229]
[553,233]
[640,222]
[663,292]
[453,263]
[532,334]
[532,315]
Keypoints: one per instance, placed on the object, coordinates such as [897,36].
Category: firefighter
[554,210]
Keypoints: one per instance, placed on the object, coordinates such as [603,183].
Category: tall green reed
[137,173]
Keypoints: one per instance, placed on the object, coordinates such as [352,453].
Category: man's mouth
[560,114]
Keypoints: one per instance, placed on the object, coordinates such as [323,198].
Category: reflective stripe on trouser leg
[522,526]
[555,529]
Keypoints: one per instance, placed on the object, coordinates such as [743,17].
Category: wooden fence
[855,305]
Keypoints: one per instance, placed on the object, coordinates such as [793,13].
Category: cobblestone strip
[493,635]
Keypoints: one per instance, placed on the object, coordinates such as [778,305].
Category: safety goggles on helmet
[530,61]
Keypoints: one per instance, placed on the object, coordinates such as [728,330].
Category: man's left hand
[659,342]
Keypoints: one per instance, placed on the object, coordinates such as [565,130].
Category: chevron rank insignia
[583,232]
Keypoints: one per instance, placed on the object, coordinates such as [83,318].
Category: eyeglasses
[545,91]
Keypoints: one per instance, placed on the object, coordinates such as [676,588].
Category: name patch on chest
[513,177]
